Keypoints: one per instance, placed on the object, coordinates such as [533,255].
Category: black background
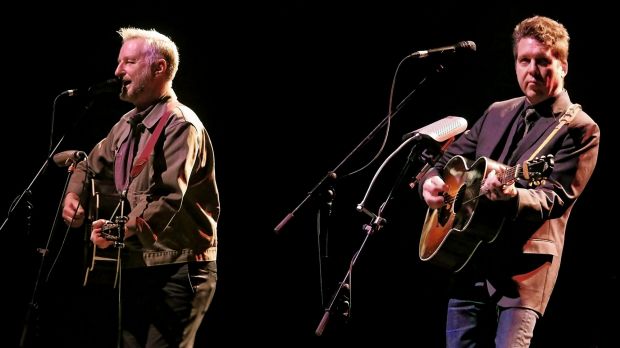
[287,90]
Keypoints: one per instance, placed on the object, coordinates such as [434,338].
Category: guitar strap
[139,165]
[568,116]
[150,145]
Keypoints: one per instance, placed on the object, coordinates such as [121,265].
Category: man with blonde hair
[160,160]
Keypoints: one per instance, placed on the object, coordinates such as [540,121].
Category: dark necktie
[127,152]
[530,116]
[523,124]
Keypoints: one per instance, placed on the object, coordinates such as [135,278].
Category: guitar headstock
[537,170]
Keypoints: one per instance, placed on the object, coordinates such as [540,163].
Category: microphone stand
[27,190]
[119,243]
[376,223]
[339,297]
[329,179]
[33,305]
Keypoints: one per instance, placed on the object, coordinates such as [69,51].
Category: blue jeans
[475,323]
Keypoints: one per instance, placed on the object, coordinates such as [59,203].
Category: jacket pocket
[540,246]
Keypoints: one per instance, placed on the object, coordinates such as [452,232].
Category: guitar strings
[506,176]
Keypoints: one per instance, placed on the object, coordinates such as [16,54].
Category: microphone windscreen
[441,130]
[66,158]
[468,45]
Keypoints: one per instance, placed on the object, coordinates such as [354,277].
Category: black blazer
[523,262]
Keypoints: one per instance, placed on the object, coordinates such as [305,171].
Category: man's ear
[564,70]
[160,66]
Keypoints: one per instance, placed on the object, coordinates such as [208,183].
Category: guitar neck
[511,174]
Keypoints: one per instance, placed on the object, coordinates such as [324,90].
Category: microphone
[441,130]
[459,46]
[69,157]
[108,86]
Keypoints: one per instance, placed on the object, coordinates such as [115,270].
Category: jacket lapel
[542,128]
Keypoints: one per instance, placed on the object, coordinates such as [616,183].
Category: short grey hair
[161,46]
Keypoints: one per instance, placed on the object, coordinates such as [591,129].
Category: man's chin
[534,93]
[125,97]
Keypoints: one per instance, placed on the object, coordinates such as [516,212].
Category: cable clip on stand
[342,299]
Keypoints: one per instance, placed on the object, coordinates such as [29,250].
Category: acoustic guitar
[102,265]
[452,233]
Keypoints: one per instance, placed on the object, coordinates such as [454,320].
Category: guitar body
[101,264]
[452,233]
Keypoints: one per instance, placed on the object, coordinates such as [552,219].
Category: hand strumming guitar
[433,189]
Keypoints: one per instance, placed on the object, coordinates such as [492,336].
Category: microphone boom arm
[333,173]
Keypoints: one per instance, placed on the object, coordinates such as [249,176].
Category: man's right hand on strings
[433,189]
